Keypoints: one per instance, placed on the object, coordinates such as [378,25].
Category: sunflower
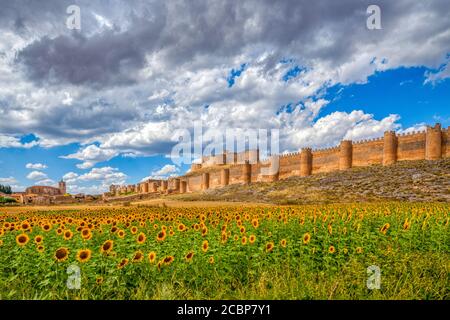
[244,240]
[107,246]
[242,229]
[122,263]
[59,231]
[306,238]
[99,280]
[330,229]
[385,228]
[406,224]
[331,249]
[152,257]
[236,237]
[114,229]
[61,254]
[47,227]
[121,234]
[138,256]
[168,260]
[86,234]
[68,235]
[269,246]
[283,243]
[181,227]
[224,237]
[40,248]
[1,242]
[204,231]
[22,239]
[211,260]
[134,230]
[252,239]
[205,245]
[141,238]
[84,255]
[359,250]
[25,225]
[255,223]
[161,235]
[38,239]
[189,256]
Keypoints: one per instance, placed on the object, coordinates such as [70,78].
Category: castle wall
[325,160]
[411,146]
[446,143]
[289,165]
[432,144]
[368,152]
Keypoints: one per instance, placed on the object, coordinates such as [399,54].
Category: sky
[101,104]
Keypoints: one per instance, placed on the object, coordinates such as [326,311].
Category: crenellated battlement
[246,167]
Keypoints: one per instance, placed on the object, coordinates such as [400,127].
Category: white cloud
[169,170]
[91,155]
[14,142]
[36,166]
[36,175]
[46,182]
[96,181]
[8,180]
[436,77]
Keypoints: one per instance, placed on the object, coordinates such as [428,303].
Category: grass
[412,252]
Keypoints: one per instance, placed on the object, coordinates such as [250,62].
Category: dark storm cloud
[185,30]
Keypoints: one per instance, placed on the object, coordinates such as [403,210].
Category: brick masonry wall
[411,146]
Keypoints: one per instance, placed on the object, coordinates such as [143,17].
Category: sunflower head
[141,238]
[269,246]
[152,257]
[138,256]
[84,255]
[189,256]
[306,238]
[61,254]
[22,239]
[205,245]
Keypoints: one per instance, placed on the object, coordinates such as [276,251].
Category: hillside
[417,181]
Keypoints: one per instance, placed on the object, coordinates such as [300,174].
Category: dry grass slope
[414,181]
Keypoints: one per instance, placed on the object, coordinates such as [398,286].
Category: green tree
[5,189]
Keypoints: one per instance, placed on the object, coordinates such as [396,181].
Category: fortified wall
[246,167]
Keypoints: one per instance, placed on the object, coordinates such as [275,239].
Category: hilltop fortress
[246,167]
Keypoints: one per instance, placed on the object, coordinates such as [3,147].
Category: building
[47,190]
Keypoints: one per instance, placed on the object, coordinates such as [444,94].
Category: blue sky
[104,104]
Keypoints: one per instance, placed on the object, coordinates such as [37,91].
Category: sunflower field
[298,252]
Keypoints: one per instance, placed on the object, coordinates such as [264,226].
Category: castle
[246,167]
[41,194]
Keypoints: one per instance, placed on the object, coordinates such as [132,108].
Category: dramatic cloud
[136,73]
[36,166]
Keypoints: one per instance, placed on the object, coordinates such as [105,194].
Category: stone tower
[345,155]
[389,148]
[62,187]
[433,148]
[247,172]
[224,177]
[305,162]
